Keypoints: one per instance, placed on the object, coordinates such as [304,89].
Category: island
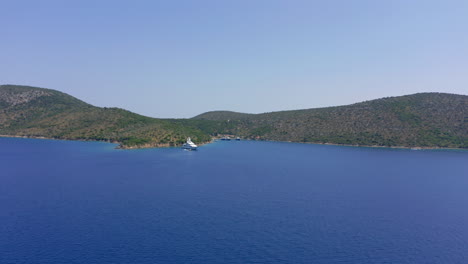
[423,120]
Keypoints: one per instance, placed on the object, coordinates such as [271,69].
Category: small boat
[238,138]
[189,145]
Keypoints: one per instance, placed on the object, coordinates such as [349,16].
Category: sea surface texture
[231,202]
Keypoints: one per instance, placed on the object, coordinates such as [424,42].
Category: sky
[177,59]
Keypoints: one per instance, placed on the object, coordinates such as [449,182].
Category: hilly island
[432,120]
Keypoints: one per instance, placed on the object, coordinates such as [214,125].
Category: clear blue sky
[180,58]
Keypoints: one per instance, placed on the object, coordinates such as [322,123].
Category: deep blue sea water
[231,202]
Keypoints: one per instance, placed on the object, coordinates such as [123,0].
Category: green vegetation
[422,120]
[419,120]
[36,112]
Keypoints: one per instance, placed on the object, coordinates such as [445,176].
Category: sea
[231,202]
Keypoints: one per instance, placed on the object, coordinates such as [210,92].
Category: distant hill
[37,112]
[418,120]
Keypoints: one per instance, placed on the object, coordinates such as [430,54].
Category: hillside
[418,120]
[37,112]
[423,120]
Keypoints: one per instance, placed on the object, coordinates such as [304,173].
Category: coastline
[214,139]
[119,145]
[359,146]
[391,147]
[63,139]
[164,145]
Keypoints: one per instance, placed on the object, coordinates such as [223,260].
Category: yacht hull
[189,147]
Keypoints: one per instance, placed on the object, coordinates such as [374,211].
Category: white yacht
[189,145]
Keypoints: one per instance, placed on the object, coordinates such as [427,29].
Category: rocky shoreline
[167,145]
